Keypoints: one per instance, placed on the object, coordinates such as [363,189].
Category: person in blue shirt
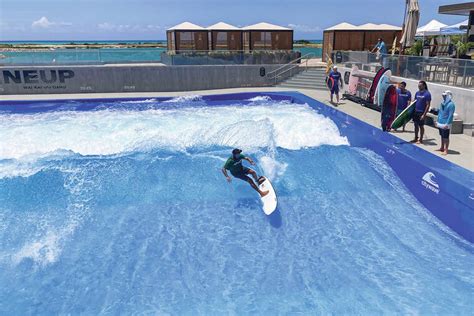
[337,77]
[423,102]
[381,51]
[404,98]
[445,120]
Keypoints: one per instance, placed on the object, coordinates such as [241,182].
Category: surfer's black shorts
[417,119]
[444,132]
[242,175]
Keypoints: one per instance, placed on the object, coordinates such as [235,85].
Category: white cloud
[304,28]
[124,28]
[44,23]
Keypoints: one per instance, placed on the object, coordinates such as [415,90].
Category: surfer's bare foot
[441,149]
[414,140]
[263,193]
[419,142]
[444,153]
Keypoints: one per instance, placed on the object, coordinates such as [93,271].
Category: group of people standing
[422,101]
[422,106]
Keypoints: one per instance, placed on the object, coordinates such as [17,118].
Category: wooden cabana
[223,36]
[345,36]
[266,36]
[187,37]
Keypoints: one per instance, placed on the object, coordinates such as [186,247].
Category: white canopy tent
[456,29]
[432,28]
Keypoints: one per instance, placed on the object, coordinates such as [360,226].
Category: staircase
[312,78]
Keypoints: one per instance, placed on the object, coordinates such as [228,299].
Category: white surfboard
[269,201]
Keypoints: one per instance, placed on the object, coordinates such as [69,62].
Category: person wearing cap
[234,165]
[445,120]
[337,77]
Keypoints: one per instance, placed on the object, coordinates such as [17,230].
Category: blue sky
[148,19]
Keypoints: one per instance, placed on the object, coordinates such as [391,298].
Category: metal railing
[443,70]
[277,73]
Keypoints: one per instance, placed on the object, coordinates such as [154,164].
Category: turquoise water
[120,207]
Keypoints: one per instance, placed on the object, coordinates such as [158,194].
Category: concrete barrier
[129,78]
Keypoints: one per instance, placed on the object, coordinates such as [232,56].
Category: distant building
[345,36]
[266,36]
[187,37]
[222,36]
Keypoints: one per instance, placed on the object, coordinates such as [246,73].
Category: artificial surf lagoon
[112,206]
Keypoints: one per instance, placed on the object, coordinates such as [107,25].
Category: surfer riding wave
[234,165]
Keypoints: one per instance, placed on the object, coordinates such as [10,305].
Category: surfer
[404,98]
[445,120]
[337,77]
[234,165]
[422,105]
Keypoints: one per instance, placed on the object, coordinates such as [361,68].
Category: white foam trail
[260,98]
[108,132]
[185,98]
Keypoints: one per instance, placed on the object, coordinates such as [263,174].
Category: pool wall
[27,80]
[444,188]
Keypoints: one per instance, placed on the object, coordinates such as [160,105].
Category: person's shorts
[444,132]
[242,175]
[417,119]
[335,89]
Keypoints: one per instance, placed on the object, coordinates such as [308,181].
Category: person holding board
[234,165]
[404,99]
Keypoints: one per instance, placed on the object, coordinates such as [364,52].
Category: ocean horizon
[93,41]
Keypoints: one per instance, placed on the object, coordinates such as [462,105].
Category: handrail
[278,73]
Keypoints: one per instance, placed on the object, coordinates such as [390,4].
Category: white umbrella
[460,28]
[411,23]
[432,28]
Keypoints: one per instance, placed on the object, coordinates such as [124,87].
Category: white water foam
[108,132]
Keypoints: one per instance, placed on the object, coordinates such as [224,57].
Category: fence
[448,71]
[98,56]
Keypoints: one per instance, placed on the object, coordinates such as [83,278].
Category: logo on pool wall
[38,79]
[428,181]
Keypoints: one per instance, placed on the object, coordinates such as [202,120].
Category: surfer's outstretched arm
[250,160]
[224,171]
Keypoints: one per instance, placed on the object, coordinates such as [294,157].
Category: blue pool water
[120,207]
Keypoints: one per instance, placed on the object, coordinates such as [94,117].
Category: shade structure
[432,28]
[456,29]
[346,36]
[187,36]
[267,36]
[411,23]
[223,36]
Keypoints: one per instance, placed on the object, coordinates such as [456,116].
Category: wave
[108,132]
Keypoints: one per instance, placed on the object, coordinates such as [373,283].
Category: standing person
[381,50]
[423,102]
[445,120]
[337,77]
[234,165]
[404,98]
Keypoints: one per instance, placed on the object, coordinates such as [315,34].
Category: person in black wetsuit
[234,165]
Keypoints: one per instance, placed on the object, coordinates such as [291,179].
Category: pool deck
[461,146]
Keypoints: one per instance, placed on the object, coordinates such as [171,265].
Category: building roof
[364,27]
[186,26]
[341,26]
[221,26]
[457,9]
[263,26]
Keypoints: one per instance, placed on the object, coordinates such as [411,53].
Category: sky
[148,19]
